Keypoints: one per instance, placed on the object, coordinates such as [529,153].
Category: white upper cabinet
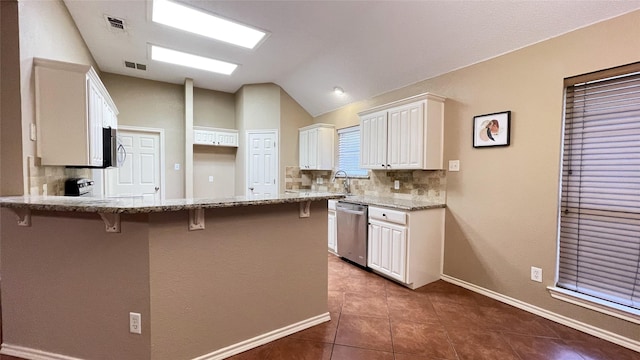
[72,107]
[406,134]
[216,137]
[316,147]
[373,140]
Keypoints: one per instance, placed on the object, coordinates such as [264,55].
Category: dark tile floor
[375,319]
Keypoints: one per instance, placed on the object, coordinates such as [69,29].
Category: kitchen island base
[252,275]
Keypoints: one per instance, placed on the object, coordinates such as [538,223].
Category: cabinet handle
[388,165]
[384,215]
[383,165]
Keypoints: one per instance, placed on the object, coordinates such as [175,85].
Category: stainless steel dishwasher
[351,221]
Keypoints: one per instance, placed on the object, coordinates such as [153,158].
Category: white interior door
[140,172]
[262,164]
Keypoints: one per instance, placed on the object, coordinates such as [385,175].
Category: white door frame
[160,133]
[248,153]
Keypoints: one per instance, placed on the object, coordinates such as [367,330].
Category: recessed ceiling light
[338,90]
[198,62]
[195,21]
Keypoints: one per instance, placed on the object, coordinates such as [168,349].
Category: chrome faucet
[346,183]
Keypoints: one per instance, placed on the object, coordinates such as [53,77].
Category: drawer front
[393,216]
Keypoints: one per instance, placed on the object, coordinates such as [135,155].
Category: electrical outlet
[176,166]
[319,181]
[536,274]
[135,323]
[210,178]
[396,184]
[454,165]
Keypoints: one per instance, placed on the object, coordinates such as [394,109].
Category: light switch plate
[396,184]
[210,178]
[454,165]
[176,166]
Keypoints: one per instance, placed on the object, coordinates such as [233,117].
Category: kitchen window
[599,235]
[349,152]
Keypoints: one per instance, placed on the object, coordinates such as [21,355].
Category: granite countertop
[136,205]
[394,203]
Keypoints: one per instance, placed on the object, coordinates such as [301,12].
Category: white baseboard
[561,319]
[264,338]
[33,354]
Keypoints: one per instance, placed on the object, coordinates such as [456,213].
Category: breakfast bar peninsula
[209,278]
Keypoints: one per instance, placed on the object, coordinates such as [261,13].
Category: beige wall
[214,109]
[502,206]
[11,171]
[243,276]
[292,117]
[154,104]
[218,162]
[68,286]
[257,108]
[267,106]
[47,31]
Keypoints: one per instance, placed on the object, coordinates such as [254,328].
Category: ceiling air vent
[133,65]
[115,23]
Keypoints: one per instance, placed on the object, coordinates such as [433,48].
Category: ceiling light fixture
[194,61]
[198,22]
[338,90]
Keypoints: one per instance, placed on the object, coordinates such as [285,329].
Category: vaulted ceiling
[365,47]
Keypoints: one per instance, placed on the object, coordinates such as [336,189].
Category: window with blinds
[600,191]
[349,151]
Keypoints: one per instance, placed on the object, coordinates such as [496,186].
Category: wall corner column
[188,138]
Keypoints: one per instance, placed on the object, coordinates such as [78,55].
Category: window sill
[595,304]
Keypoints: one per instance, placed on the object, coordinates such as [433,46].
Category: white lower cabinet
[332,228]
[388,249]
[406,246]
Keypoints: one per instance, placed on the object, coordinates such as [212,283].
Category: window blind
[349,151]
[600,190]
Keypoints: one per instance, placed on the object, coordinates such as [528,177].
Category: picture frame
[492,130]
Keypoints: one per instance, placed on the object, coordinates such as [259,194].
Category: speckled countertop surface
[136,205]
[394,203]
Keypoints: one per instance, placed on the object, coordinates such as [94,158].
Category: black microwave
[109,147]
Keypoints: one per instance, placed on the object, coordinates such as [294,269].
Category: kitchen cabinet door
[405,137]
[332,231]
[109,117]
[373,141]
[312,158]
[387,249]
[316,144]
[215,137]
[226,138]
[304,149]
[95,123]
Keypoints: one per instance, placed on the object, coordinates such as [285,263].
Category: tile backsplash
[49,180]
[414,184]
